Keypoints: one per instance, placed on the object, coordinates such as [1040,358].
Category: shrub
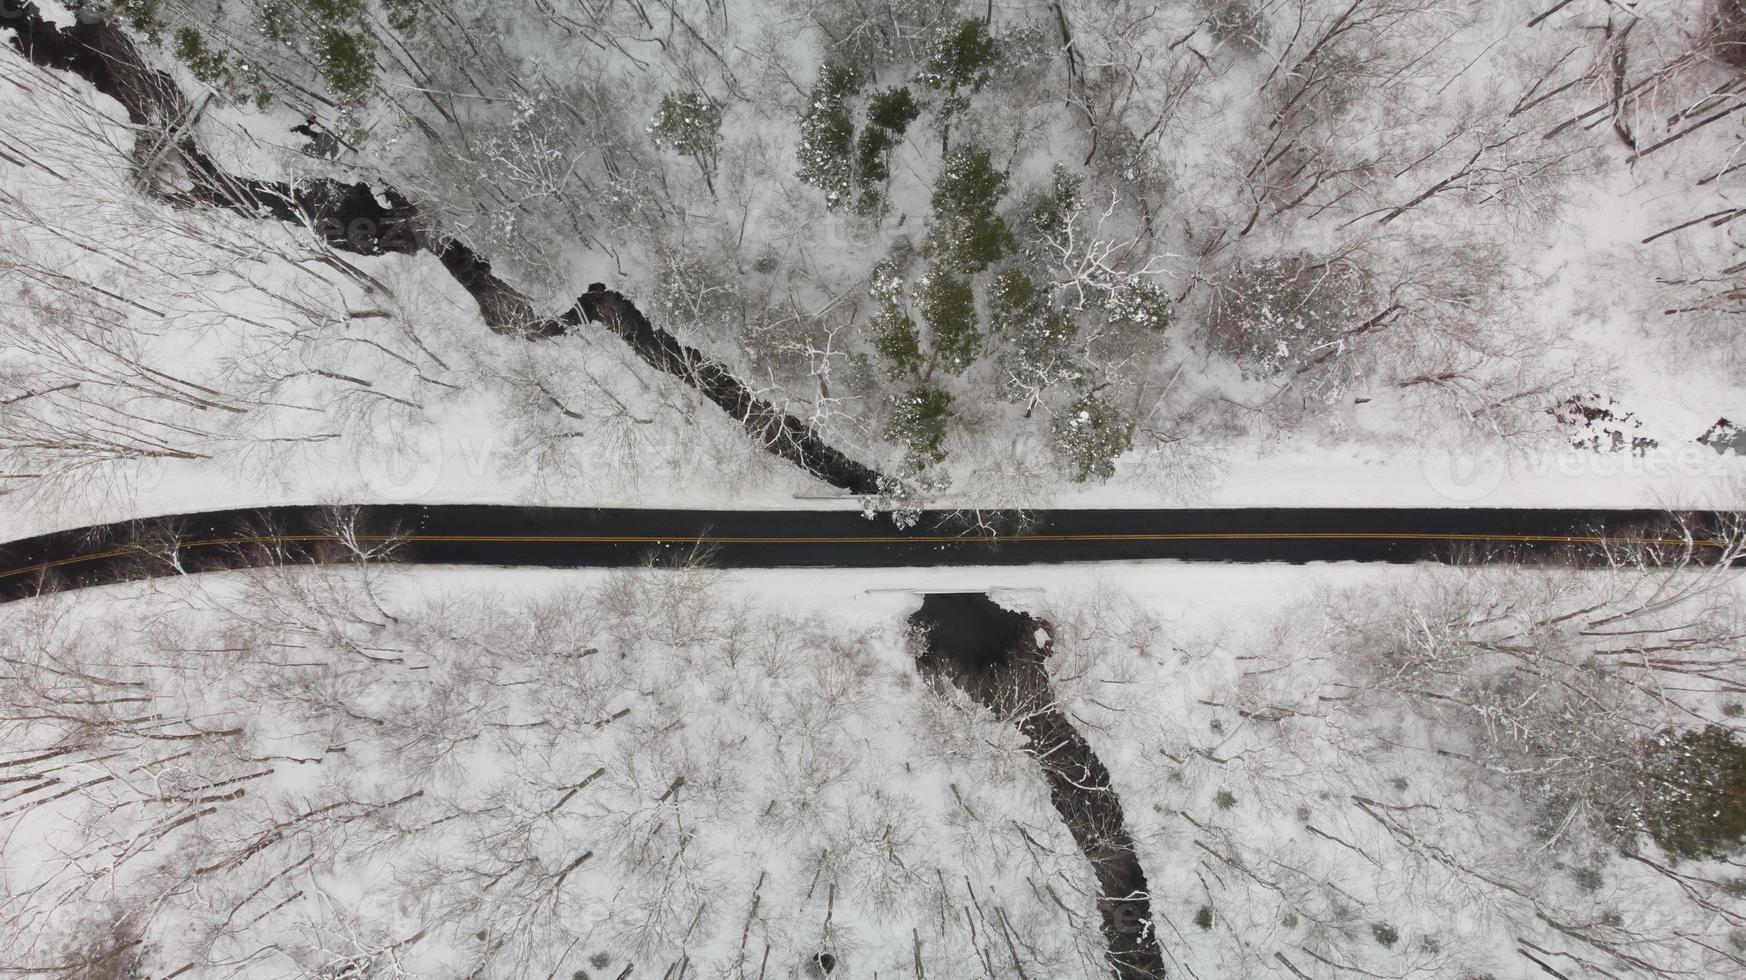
[1203,917]
[1384,934]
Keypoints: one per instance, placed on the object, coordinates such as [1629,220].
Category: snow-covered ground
[1328,770]
[438,771]
[477,417]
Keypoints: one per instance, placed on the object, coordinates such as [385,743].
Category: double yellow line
[941,539]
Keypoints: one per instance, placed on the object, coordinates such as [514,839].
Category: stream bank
[999,658]
[352,218]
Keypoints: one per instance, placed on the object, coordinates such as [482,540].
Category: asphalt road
[592,537]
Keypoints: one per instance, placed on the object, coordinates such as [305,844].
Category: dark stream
[994,655]
[352,218]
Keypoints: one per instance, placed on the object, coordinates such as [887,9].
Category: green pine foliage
[893,109]
[346,59]
[689,124]
[211,67]
[918,422]
[827,135]
[234,77]
[1037,354]
[402,14]
[143,16]
[962,60]
[967,235]
[873,168]
[1694,792]
[948,307]
[889,114]
[335,35]
[897,341]
[1013,302]
[894,334]
[1087,439]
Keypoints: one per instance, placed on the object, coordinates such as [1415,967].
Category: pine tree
[1038,338]
[689,123]
[889,114]
[1089,437]
[895,337]
[948,308]
[918,421]
[1694,792]
[893,109]
[346,59]
[827,135]
[967,236]
[961,61]
[1139,303]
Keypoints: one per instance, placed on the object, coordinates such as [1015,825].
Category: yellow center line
[711,539]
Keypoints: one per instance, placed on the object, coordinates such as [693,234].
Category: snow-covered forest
[875,256]
[380,773]
[1024,253]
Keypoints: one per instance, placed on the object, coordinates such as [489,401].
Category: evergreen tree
[967,236]
[960,62]
[1038,338]
[1089,437]
[948,308]
[346,59]
[827,135]
[689,123]
[895,337]
[889,114]
[336,38]
[1694,792]
[1140,303]
[873,168]
[918,421]
[335,35]
[893,109]
[237,79]
[1049,214]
